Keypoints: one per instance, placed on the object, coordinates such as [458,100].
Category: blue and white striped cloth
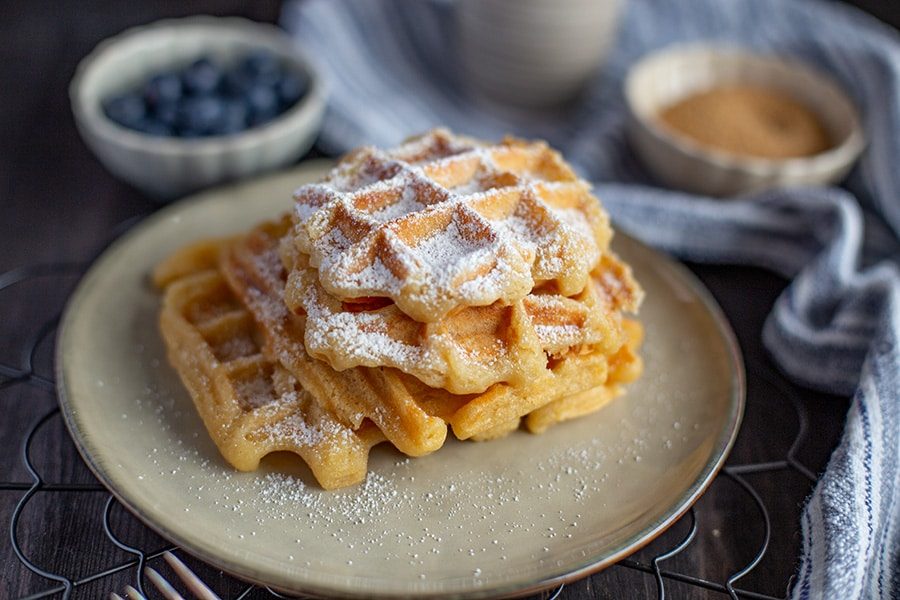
[391,72]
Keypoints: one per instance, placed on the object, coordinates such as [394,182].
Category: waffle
[444,222]
[250,405]
[473,348]
[623,367]
[196,257]
[412,415]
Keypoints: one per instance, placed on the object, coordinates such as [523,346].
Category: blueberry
[234,118]
[201,77]
[167,112]
[262,66]
[165,87]
[127,110]
[201,114]
[263,103]
[291,88]
[236,82]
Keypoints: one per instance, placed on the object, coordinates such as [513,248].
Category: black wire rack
[14,376]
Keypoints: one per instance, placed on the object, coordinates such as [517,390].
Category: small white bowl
[168,167]
[665,77]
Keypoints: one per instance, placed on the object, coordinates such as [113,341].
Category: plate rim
[724,441]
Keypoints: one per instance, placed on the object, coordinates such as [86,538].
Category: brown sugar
[749,121]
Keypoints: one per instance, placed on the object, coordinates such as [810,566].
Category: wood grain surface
[58,205]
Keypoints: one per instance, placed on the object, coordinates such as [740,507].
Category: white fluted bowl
[672,74]
[169,167]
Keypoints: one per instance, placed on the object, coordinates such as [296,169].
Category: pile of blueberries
[207,99]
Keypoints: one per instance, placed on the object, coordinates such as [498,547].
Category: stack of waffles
[445,284]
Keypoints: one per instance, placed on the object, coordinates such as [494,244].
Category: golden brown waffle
[444,222]
[624,367]
[473,348]
[254,271]
[250,405]
[411,414]
[196,257]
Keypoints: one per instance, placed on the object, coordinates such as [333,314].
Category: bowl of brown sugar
[721,121]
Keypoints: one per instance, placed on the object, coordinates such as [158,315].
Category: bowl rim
[843,153]
[269,36]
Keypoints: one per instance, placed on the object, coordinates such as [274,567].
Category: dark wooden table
[58,206]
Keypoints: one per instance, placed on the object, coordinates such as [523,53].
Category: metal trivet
[12,376]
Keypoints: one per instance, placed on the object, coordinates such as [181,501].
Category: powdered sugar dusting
[555,337]
[256,392]
[295,429]
[315,195]
[358,338]
[375,274]
[406,518]
[446,267]
[574,220]
[408,204]
[363,340]
[384,336]
[446,249]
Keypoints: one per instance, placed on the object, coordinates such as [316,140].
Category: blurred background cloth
[393,70]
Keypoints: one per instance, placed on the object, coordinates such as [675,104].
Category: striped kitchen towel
[391,72]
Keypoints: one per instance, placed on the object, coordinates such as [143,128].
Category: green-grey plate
[475,519]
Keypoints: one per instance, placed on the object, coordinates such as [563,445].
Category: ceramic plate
[503,517]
